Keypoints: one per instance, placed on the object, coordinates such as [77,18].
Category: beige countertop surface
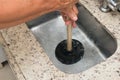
[29,61]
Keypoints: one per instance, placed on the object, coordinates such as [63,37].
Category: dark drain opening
[69,57]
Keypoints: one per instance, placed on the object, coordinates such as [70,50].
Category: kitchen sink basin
[98,43]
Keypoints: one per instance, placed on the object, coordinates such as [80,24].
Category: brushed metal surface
[50,30]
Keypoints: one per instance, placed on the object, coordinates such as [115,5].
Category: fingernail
[75,18]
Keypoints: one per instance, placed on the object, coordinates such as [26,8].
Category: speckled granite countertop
[29,62]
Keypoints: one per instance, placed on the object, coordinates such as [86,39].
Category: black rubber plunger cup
[69,51]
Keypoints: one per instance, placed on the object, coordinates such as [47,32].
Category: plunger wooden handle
[69,38]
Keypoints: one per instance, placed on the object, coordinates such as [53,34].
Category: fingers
[71,14]
[70,22]
[75,10]
[65,18]
[74,24]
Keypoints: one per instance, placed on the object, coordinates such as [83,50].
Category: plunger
[69,51]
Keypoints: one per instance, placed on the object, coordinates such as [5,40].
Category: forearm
[18,11]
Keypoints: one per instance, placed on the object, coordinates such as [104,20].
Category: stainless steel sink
[99,44]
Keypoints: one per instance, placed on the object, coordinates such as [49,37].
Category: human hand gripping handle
[70,12]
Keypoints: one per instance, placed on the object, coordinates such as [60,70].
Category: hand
[69,15]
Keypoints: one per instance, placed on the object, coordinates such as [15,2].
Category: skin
[14,12]
[70,15]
